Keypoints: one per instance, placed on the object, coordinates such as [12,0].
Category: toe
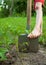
[29,35]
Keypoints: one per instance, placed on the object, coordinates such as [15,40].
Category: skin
[37,29]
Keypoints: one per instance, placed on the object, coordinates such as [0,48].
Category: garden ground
[11,27]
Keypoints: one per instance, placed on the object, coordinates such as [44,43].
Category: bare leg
[38,27]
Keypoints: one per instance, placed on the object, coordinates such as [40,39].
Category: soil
[19,58]
[38,58]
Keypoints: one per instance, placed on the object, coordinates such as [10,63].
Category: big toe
[29,35]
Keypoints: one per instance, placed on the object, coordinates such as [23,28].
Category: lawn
[12,26]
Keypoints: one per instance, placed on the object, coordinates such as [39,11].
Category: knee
[37,8]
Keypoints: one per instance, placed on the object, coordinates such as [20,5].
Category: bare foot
[31,35]
[34,34]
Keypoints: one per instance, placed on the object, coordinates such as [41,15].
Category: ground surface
[38,58]
[19,58]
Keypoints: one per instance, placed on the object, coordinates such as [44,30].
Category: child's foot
[31,35]
[34,34]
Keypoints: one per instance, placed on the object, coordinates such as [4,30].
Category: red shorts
[35,1]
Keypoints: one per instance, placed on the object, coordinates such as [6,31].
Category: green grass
[12,26]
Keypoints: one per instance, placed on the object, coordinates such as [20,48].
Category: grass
[12,26]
